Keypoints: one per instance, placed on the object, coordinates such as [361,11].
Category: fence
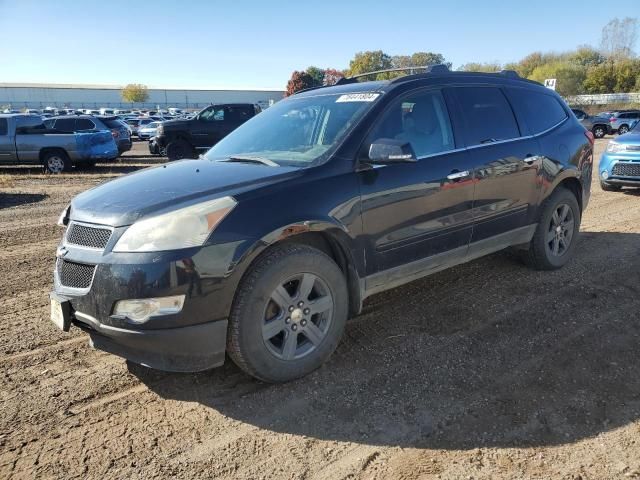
[604,99]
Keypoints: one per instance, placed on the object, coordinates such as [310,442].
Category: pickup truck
[596,124]
[186,138]
[24,139]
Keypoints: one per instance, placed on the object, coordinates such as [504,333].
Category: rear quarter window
[539,110]
[112,123]
[487,115]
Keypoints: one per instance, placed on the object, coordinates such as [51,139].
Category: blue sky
[257,44]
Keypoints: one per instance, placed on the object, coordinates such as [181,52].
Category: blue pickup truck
[24,139]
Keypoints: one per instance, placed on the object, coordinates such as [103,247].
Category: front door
[209,127]
[416,216]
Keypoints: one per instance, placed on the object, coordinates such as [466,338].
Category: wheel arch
[570,180]
[46,150]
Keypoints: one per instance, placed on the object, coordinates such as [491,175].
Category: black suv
[83,123]
[263,247]
[183,138]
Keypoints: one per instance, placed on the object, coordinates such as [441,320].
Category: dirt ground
[487,370]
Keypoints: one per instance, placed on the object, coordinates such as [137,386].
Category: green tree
[586,56]
[135,93]
[569,76]
[480,67]
[601,78]
[298,81]
[317,74]
[627,73]
[370,61]
[418,59]
[528,64]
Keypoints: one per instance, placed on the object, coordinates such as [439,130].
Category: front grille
[626,170]
[85,236]
[75,275]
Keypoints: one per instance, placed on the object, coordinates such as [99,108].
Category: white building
[35,95]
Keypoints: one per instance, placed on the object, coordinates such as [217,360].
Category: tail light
[590,137]
[115,133]
[612,119]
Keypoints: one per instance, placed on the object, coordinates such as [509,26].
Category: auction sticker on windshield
[357,97]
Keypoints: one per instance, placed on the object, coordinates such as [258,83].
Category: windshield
[297,131]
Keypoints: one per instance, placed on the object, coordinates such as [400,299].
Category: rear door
[414,213]
[7,147]
[506,162]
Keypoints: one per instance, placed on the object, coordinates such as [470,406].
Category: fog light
[604,175]
[141,310]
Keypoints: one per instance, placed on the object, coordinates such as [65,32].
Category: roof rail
[440,68]
[509,73]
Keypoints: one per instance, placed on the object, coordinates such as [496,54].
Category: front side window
[421,118]
[487,115]
[540,111]
[212,114]
[299,131]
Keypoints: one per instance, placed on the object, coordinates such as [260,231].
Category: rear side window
[539,110]
[4,129]
[84,124]
[65,124]
[487,115]
[240,113]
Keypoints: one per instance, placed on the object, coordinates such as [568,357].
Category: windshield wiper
[263,161]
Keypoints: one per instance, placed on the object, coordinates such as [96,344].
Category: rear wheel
[179,149]
[609,188]
[56,162]
[554,240]
[599,131]
[623,129]
[288,315]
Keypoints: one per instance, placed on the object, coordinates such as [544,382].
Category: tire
[623,129]
[295,341]
[551,248]
[609,188]
[56,162]
[599,131]
[179,149]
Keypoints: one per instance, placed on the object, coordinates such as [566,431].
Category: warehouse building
[35,95]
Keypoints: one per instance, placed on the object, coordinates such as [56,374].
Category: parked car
[620,163]
[184,138]
[24,139]
[622,121]
[262,248]
[80,123]
[147,131]
[136,123]
[599,126]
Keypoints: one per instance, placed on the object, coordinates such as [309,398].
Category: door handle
[458,175]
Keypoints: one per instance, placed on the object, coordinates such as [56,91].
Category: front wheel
[599,131]
[289,314]
[179,149]
[554,240]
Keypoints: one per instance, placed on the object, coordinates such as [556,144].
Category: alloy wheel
[297,316]
[560,233]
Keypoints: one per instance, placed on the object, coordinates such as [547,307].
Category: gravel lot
[487,370]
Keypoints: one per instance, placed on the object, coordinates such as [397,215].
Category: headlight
[64,217]
[614,147]
[159,130]
[182,228]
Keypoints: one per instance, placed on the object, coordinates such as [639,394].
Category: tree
[601,78]
[135,93]
[619,37]
[331,76]
[528,64]
[627,73]
[569,76]
[418,59]
[370,61]
[298,81]
[481,67]
[317,74]
[586,56]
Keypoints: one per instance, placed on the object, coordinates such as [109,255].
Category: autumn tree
[569,76]
[135,93]
[331,76]
[298,81]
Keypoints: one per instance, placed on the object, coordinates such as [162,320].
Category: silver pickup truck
[24,139]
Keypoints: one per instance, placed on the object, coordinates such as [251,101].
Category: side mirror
[388,150]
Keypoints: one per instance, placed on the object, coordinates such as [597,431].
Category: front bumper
[192,340]
[608,162]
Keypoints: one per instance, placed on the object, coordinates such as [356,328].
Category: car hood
[124,200]
[631,138]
